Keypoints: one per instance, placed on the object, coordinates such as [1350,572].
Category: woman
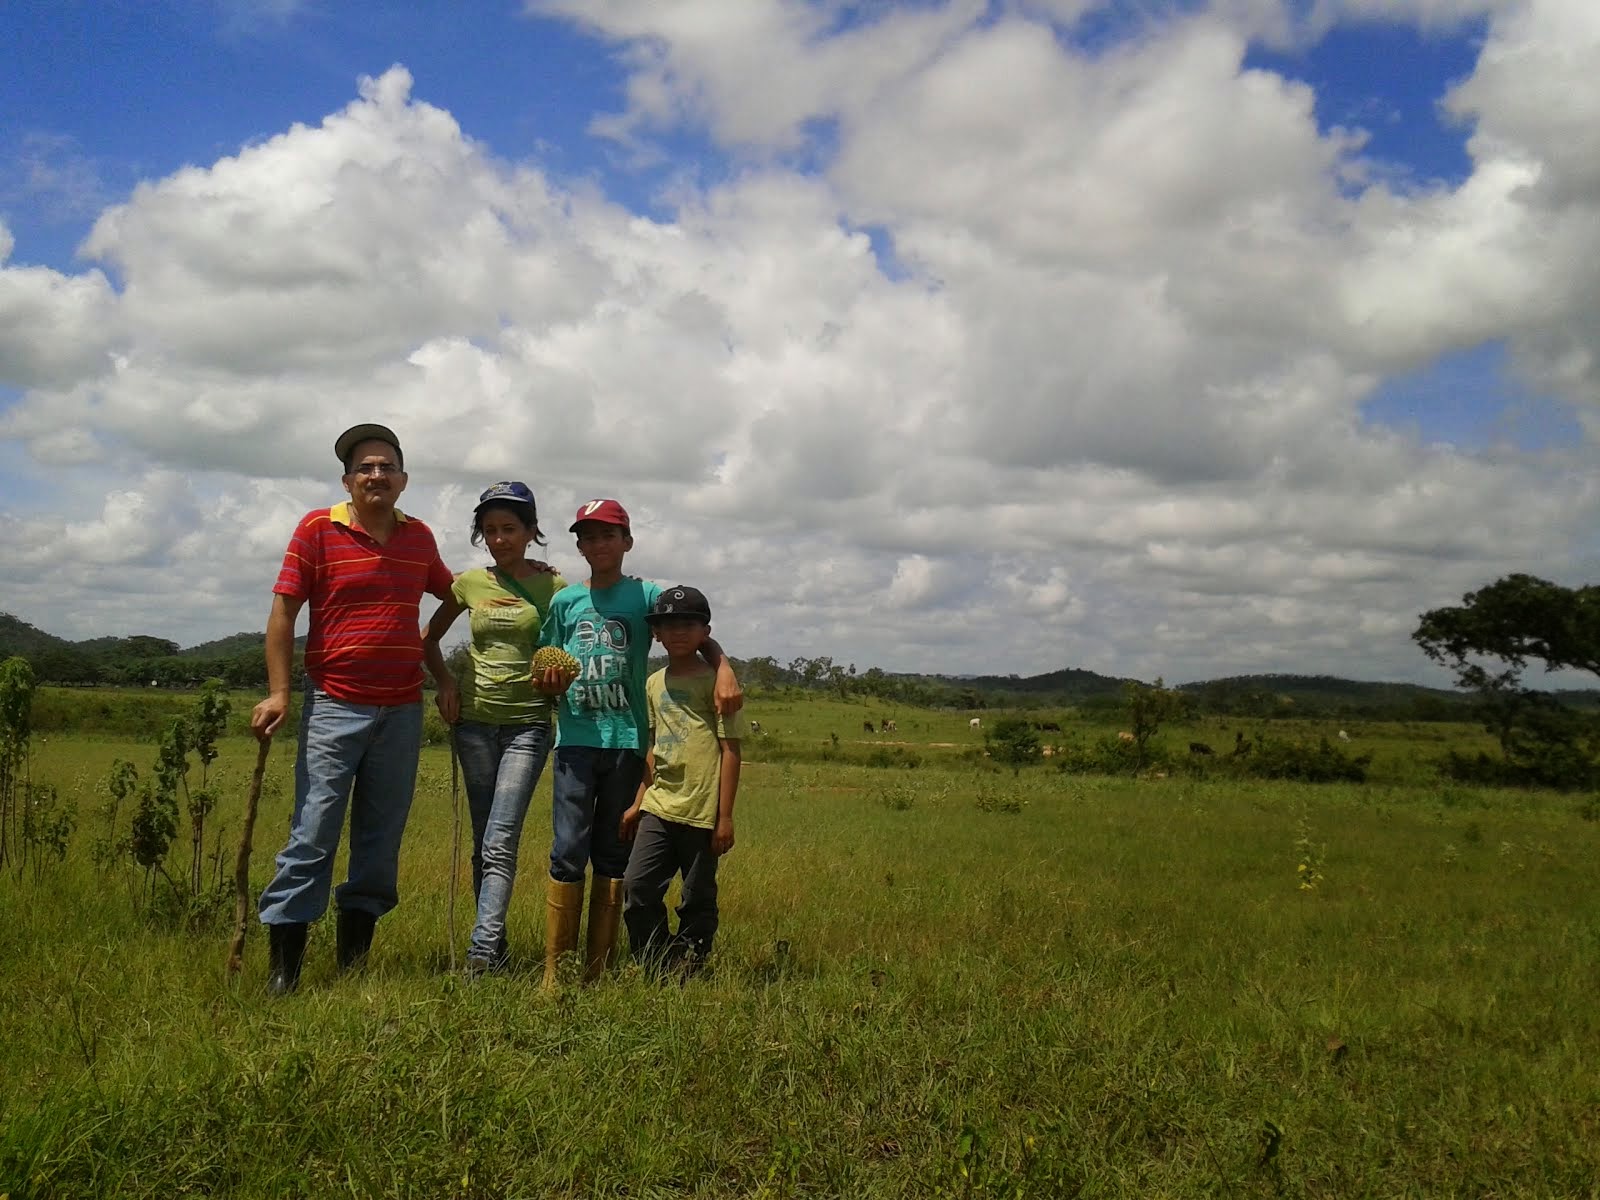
[502,721]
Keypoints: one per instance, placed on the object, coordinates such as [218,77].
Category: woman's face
[505,536]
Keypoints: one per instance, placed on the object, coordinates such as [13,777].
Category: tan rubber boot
[605,911]
[563,913]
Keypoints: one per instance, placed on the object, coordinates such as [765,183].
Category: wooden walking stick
[241,864]
[455,845]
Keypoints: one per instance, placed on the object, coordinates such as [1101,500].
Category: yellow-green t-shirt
[498,685]
[684,728]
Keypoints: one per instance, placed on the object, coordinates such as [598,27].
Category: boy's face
[680,636]
[603,544]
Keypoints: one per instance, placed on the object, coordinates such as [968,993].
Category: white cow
[974,723]
[1343,736]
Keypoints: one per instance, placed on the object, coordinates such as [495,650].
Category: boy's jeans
[591,791]
[360,756]
[500,765]
[660,850]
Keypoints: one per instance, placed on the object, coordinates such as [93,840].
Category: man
[362,565]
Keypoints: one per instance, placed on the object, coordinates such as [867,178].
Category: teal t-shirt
[605,630]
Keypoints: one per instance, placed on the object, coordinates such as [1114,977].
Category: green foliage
[117,787]
[47,827]
[16,729]
[1516,619]
[1149,707]
[1013,742]
[1304,762]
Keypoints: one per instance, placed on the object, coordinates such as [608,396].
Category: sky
[1178,338]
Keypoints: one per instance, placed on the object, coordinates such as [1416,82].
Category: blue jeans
[365,753]
[592,789]
[500,765]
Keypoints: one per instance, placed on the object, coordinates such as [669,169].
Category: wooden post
[241,864]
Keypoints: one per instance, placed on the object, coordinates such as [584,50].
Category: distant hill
[18,637]
[234,643]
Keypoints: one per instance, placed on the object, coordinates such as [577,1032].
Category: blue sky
[102,95]
[1046,303]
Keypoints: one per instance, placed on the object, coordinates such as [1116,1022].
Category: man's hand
[722,836]
[629,824]
[728,696]
[268,716]
[448,702]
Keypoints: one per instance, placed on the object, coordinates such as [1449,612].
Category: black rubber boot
[354,937]
[286,950]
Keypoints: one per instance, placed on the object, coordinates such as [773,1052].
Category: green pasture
[947,980]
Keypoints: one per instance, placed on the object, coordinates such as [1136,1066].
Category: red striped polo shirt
[365,641]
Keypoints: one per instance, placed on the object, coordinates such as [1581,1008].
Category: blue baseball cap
[513,490]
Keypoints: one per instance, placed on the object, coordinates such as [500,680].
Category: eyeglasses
[377,468]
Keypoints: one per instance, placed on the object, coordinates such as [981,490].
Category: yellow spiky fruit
[546,657]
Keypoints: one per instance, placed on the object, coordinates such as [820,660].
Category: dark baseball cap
[356,434]
[680,601]
[512,490]
[608,512]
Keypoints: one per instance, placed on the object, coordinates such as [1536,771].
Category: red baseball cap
[608,512]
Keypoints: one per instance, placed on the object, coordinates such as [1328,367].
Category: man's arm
[271,712]
[728,696]
[448,698]
[727,791]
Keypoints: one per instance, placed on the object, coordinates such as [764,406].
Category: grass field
[949,980]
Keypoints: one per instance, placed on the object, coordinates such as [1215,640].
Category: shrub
[1322,763]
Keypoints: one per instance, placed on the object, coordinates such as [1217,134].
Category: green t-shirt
[498,688]
[684,727]
[605,630]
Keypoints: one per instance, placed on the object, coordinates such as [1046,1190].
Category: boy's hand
[630,822]
[728,696]
[722,836]
[554,681]
[448,702]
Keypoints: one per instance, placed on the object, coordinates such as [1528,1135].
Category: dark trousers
[661,849]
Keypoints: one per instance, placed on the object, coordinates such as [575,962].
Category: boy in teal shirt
[682,818]
[600,732]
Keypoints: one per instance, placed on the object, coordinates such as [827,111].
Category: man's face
[375,479]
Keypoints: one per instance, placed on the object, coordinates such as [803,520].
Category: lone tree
[1513,621]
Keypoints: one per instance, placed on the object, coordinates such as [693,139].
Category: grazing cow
[1343,736]
[974,723]
[1200,748]
[890,727]
[1049,727]
[1240,746]
[866,727]
[1124,736]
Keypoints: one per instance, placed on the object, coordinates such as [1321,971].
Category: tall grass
[939,981]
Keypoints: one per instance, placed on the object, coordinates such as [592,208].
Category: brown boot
[563,913]
[605,911]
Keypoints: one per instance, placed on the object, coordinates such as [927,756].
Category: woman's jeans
[500,765]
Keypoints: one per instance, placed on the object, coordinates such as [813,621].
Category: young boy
[682,818]
[600,732]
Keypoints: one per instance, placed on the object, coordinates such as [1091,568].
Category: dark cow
[1200,748]
[755,727]
[1047,727]
[866,727]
